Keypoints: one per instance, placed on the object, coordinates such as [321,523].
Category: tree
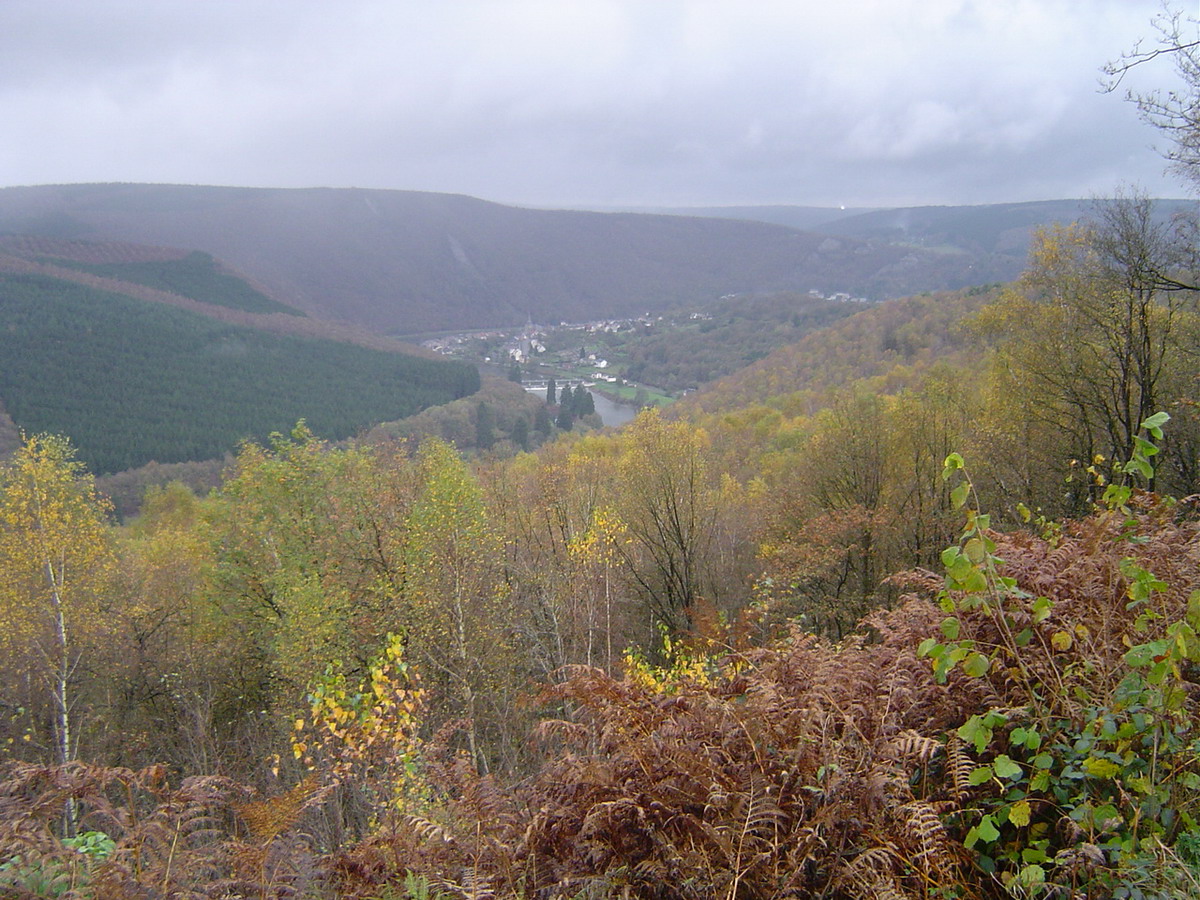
[551,396]
[670,508]
[312,544]
[55,561]
[514,372]
[1174,112]
[831,530]
[1097,324]
[566,418]
[582,403]
[454,596]
[520,432]
[485,426]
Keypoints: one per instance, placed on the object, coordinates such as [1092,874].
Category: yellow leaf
[1061,640]
[1019,813]
[1101,768]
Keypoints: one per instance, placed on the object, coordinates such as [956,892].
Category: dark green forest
[131,381]
[196,276]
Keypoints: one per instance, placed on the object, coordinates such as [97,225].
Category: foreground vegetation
[1051,742]
[787,647]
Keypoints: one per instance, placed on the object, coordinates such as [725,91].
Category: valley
[413,604]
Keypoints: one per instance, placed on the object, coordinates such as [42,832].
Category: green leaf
[926,646]
[1041,610]
[1117,495]
[973,731]
[988,831]
[950,628]
[1193,610]
[953,463]
[1144,447]
[958,496]
[979,775]
[1031,875]
[1004,767]
[976,665]
[1098,767]
[1142,655]
[1156,421]
[976,582]
[1139,467]
[975,551]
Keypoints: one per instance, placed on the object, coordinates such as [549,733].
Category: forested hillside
[402,262]
[196,275]
[130,381]
[908,610]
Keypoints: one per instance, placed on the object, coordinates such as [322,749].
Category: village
[593,354]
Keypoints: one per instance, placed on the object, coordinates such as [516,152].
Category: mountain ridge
[405,262]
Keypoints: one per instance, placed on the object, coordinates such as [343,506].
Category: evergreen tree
[566,418]
[585,404]
[520,431]
[514,372]
[550,392]
[485,426]
[541,421]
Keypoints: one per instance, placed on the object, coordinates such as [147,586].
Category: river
[610,413]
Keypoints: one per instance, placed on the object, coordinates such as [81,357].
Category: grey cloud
[593,101]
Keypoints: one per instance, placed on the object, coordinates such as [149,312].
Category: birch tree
[457,608]
[55,559]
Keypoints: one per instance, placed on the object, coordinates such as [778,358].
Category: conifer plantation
[908,609]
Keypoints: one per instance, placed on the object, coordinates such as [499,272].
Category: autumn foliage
[796,648]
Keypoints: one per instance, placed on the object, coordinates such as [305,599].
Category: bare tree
[1175,112]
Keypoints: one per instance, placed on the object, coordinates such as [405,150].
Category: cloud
[592,101]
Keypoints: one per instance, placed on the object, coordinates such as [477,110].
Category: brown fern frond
[269,818]
[933,853]
[874,873]
[571,734]
[429,831]
[959,766]
[910,746]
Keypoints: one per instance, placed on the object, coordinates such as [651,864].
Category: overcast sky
[584,102]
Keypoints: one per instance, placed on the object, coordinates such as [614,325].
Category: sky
[595,103]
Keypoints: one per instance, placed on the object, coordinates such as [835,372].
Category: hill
[132,373]
[994,236]
[886,347]
[402,262]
